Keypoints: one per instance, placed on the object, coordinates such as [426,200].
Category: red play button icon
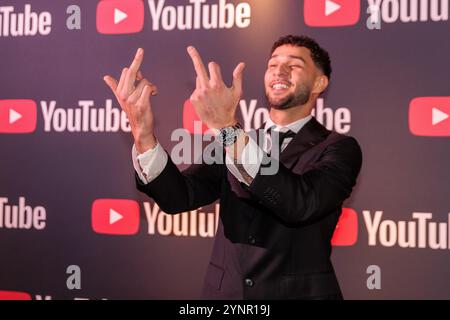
[115,216]
[430,116]
[18,116]
[331,13]
[191,121]
[346,232]
[14,295]
[120,16]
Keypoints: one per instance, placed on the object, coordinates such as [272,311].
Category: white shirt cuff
[251,158]
[150,164]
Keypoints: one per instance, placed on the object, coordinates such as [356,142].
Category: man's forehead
[291,52]
[287,57]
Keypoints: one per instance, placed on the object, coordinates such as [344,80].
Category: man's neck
[283,117]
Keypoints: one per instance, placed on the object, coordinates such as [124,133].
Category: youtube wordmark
[84,118]
[21,215]
[26,23]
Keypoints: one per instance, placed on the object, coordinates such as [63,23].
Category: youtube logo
[120,16]
[191,121]
[346,232]
[429,116]
[331,13]
[14,295]
[18,116]
[115,216]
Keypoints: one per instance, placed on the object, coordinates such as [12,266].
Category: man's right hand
[133,94]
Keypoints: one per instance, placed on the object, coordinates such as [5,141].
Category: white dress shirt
[151,163]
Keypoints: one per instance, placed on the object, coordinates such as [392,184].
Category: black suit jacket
[273,238]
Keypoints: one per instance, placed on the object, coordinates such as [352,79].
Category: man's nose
[281,70]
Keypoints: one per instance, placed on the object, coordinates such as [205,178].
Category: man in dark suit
[273,238]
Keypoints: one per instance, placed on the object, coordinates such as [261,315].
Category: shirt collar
[294,126]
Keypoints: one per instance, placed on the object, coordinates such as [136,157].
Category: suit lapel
[311,134]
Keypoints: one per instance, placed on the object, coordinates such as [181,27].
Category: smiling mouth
[280,86]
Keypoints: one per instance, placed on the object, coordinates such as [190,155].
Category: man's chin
[287,102]
[281,107]
[280,104]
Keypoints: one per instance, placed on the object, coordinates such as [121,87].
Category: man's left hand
[214,102]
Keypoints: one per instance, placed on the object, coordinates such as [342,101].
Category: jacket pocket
[214,276]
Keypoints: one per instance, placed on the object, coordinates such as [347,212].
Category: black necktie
[282,136]
[285,135]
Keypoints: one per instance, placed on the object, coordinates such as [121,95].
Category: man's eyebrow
[290,56]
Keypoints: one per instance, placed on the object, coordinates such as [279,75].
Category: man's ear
[320,84]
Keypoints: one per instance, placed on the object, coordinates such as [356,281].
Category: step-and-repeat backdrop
[72,224]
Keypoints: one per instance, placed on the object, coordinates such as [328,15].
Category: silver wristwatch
[228,135]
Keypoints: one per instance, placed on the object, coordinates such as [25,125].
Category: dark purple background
[376,73]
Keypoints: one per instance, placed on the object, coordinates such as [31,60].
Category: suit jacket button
[251,240]
[249,282]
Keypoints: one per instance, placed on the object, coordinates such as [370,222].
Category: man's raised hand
[214,102]
[133,93]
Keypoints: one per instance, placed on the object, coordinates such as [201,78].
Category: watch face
[227,136]
[227,131]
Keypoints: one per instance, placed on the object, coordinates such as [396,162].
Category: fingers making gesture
[214,102]
[133,93]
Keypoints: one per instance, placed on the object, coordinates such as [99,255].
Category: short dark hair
[318,54]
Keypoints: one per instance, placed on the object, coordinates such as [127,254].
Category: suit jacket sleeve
[315,193]
[176,191]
